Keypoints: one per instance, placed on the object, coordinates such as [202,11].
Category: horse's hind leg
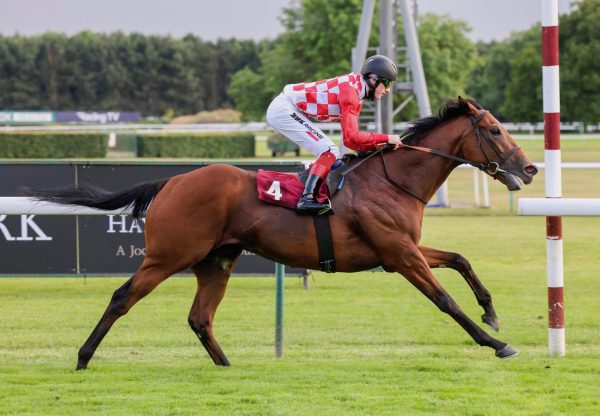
[138,286]
[438,258]
[212,274]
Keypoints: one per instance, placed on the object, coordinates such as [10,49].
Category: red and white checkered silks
[320,99]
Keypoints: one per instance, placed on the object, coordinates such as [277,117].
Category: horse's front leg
[413,266]
[438,258]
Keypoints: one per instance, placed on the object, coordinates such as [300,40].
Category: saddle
[285,189]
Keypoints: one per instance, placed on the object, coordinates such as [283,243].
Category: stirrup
[327,210]
[319,209]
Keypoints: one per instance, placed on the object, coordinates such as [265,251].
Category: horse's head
[490,145]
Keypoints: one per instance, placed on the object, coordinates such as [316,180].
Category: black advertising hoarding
[121,245]
[30,244]
[108,244]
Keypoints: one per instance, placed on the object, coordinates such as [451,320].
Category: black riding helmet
[383,67]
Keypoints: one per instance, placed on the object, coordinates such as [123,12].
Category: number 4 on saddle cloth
[285,189]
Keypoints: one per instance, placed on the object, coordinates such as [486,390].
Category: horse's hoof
[224,362]
[507,352]
[491,321]
[81,366]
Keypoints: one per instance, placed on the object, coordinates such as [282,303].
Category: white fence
[591,131]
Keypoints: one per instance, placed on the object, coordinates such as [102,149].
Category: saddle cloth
[283,189]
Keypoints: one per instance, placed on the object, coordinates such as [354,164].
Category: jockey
[333,99]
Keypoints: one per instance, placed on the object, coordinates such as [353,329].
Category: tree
[91,71]
[509,78]
[200,59]
[18,73]
[52,68]
[251,92]
[487,81]
[579,44]
[317,44]
[87,81]
[448,57]
[233,55]
[523,91]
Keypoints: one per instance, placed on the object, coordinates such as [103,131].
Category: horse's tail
[138,197]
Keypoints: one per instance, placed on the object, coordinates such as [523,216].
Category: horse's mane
[451,109]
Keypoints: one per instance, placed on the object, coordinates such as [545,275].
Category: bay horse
[204,219]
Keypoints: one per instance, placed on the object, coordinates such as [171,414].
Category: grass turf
[365,343]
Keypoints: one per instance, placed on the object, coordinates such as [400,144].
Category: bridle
[491,168]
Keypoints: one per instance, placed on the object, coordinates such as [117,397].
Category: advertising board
[97,117]
[89,244]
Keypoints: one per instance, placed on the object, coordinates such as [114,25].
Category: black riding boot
[308,203]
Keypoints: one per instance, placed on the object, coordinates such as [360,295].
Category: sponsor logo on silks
[297,118]
[311,131]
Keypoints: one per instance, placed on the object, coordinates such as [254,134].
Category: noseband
[491,168]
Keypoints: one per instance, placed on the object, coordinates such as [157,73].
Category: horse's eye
[495,131]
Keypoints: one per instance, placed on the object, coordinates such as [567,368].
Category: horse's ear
[472,109]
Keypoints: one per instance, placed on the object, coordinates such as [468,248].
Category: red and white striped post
[553,183]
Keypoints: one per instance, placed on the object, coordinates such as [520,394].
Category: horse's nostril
[530,169]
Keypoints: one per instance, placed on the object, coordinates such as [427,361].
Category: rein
[490,168]
[397,185]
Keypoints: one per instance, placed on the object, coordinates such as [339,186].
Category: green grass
[360,344]
[366,343]
[574,148]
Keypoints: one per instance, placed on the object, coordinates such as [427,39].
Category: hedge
[194,145]
[54,145]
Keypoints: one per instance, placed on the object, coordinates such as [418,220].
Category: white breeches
[284,117]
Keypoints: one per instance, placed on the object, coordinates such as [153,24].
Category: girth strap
[324,243]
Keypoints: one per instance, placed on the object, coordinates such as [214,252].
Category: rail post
[279,277]
[553,181]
